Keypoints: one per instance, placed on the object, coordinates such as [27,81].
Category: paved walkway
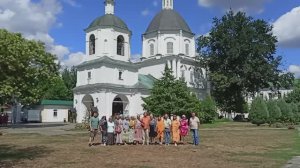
[41,128]
[295,162]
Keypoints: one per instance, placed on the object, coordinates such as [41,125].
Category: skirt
[110,138]
[125,136]
[152,132]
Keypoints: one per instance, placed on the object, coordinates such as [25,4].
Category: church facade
[109,82]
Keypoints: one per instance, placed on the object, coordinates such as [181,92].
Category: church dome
[168,20]
[108,20]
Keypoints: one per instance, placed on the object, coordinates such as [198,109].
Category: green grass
[286,153]
[217,124]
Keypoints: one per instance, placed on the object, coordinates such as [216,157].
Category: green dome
[108,20]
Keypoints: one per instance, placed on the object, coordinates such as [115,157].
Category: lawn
[227,145]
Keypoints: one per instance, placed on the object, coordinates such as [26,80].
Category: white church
[109,82]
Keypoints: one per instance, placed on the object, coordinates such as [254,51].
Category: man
[167,123]
[94,126]
[194,126]
[146,127]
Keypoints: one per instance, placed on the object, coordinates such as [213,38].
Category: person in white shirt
[167,123]
[194,126]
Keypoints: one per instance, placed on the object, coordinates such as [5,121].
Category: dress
[125,133]
[131,131]
[138,131]
[110,133]
[119,130]
[160,128]
[152,132]
[184,127]
[175,130]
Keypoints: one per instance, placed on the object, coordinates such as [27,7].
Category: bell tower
[109,6]
[167,4]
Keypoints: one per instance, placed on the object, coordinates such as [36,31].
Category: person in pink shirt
[184,128]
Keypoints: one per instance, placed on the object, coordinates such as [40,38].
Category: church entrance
[88,101]
[120,105]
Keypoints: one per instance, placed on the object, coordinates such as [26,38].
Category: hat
[183,116]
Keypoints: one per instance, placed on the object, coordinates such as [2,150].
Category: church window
[92,44]
[89,75]
[170,48]
[151,49]
[55,113]
[187,49]
[120,45]
[120,75]
[192,77]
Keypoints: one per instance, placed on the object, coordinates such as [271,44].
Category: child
[175,130]
[160,128]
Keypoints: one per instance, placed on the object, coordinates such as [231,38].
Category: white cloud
[145,12]
[256,6]
[73,59]
[287,29]
[34,19]
[72,3]
[295,69]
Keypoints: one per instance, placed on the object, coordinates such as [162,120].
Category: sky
[60,24]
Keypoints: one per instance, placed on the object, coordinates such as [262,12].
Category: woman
[131,129]
[175,130]
[160,129]
[125,134]
[184,128]
[152,133]
[103,129]
[138,131]
[118,131]
[110,131]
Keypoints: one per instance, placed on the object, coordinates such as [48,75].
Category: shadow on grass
[10,155]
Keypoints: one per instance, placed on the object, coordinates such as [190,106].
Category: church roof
[108,20]
[166,20]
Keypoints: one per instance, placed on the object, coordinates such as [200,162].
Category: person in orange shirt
[175,130]
[160,129]
[146,128]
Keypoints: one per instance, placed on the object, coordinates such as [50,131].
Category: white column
[169,64]
[178,68]
[174,68]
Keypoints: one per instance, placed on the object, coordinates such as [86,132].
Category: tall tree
[240,55]
[57,90]
[26,68]
[69,77]
[169,95]
[274,112]
[258,112]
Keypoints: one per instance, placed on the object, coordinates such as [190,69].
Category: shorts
[93,133]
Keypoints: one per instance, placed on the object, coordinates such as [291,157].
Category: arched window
[151,49]
[120,45]
[187,49]
[92,44]
[170,48]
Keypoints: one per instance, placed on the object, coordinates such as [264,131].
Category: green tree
[258,112]
[240,55]
[286,111]
[209,110]
[69,77]
[295,110]
[274,112]
[26,68]
[169,95]
[57,90]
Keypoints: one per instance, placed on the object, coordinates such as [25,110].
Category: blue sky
[64,21]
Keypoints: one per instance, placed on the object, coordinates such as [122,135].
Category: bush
[258,113]
[286,111]
[274,112]
[209,110]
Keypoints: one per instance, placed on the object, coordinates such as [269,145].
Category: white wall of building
[47,113]
[106,44]
[160,44]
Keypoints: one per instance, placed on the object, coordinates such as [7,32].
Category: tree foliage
[240,55]
[26,68]
[274,112]
[258,112]
[286,111]
[208,110]
[57,90]
[69,77]
[169,95]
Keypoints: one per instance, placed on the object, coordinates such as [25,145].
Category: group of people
[146,129]
[3,119]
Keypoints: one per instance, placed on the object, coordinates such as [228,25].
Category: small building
[50,111]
